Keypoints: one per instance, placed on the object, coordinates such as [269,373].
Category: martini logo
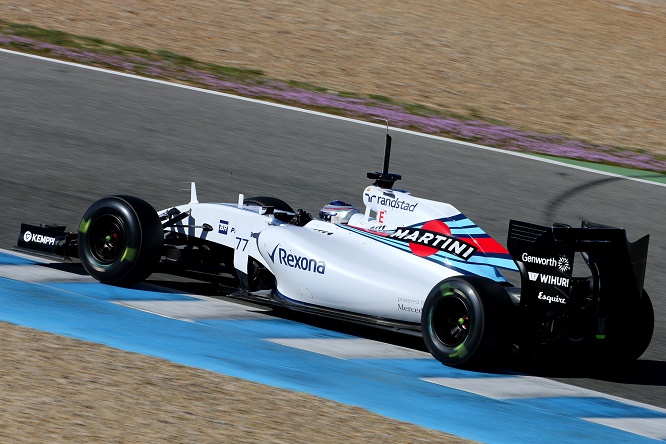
[433,237]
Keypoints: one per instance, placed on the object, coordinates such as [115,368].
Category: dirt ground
[55,389]
[591,69]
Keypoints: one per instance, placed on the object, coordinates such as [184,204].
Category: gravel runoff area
[60,390]
[588,69]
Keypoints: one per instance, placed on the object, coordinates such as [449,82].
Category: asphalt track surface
[69,136]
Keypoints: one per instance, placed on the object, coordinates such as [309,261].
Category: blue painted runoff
[83,311]
[590,407]
[110,293]
[10,259]
[273,328]
[425,368]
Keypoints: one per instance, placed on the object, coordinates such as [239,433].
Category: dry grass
[589,69]
[60,390]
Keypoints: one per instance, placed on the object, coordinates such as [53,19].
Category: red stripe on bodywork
[486,244]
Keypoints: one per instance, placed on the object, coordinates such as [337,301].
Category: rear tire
[645,329]
[631,333]
[462,318]
[120,240]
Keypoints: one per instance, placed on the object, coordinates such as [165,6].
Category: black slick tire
[630,335]
[462,318]
[120,240]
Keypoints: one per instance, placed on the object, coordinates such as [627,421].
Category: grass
[306,86]
[164,64]
[382,99]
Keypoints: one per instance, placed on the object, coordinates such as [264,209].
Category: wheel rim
[107,239]
[452,321]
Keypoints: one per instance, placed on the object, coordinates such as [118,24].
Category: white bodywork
[369,266]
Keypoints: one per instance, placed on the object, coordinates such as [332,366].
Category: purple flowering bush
[167,66]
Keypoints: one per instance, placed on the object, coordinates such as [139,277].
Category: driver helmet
[337,212]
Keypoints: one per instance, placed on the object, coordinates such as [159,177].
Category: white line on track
[330,116]
[204,308]
[650,427]
[352,348]
[41,274]
[523,386]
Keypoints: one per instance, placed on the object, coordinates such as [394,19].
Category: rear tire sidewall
[646,326]
[135,247]
[485,301]
[631,334]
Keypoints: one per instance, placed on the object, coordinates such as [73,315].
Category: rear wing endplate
[545,256]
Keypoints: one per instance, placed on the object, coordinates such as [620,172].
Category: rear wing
[545,258]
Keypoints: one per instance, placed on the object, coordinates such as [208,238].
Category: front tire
[120,240]
[461,320]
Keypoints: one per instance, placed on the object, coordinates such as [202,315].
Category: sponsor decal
[38,238]
[381,216]
[497,254]
[434,236]
[392,202]
[551,299]
[298,262]
[411,301]
[402,305]
[561,263]
[548,279]
[223,227]
[328,233]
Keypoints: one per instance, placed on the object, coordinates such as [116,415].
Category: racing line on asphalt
[248,343]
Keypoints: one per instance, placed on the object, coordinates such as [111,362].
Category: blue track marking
[426,368]
[393,388]
[273,328]
[110,293]
[10,259]
[590,407]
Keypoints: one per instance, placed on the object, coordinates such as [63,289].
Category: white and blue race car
[403,263]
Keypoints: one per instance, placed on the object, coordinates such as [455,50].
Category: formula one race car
[404,263]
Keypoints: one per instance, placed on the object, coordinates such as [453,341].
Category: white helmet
[337,212]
